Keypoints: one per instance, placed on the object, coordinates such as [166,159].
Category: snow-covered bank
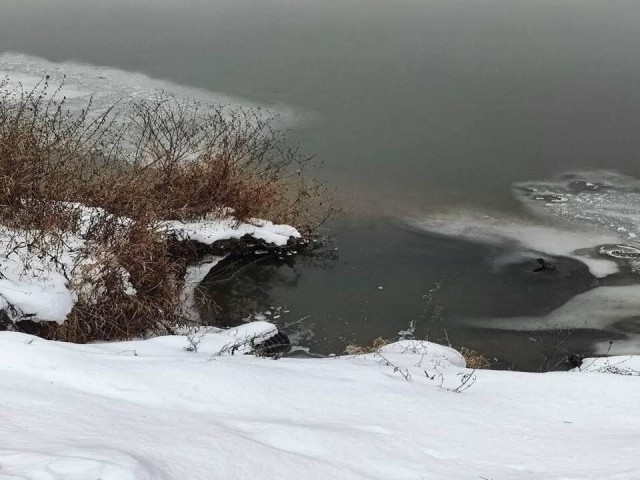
[153,410]
[208,232]
[45,285]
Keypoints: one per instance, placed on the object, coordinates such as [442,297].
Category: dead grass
[475,360]
[374,346]
[147,161]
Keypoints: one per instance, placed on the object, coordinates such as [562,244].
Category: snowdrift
[156,409]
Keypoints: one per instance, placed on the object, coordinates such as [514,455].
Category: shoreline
[154,409]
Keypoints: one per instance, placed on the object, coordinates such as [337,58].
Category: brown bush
[147,161]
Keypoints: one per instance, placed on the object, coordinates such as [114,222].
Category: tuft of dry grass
[374,346]
[144,161]
[475,360]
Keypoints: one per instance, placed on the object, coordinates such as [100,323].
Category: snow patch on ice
[599,308]
[589,216]
[602,200]
[519,234]
[592,217]
[107,86]
[610,309]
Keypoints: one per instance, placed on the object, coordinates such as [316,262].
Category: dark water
[411,105]
[382,279]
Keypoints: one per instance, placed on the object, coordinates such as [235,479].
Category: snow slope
[153,410]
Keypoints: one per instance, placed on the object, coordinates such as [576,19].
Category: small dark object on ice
[544,265]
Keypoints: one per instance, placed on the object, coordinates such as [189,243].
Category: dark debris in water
[545,266]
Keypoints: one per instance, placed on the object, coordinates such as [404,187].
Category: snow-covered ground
[154,410]
[45,285]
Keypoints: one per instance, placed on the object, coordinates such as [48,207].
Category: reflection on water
[241,287]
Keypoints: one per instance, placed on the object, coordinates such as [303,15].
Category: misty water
[465,139]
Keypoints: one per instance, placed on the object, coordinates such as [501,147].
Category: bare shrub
[137,164]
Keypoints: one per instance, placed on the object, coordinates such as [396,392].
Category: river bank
[157,409]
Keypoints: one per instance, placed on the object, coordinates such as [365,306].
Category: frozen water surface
[106,86]
[590,216]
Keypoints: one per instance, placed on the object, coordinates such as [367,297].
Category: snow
[106,86]
[44,286]
[599,199]
[47,300]
[193,277]
[75,464]
[619,365]
[36,286]
[216,341]
[211,231]
[591,216]
[525,235]
[153,410]
[603,308]
[612,309]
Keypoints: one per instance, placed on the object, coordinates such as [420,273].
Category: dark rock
[24,326]
[274,346]
[575,360]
